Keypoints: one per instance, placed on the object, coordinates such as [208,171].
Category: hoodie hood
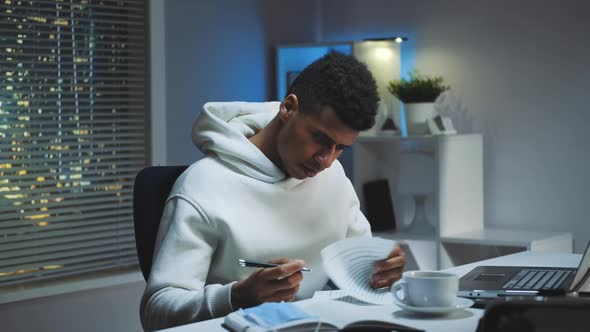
[223,129]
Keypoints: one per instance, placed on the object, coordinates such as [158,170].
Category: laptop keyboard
[537,279]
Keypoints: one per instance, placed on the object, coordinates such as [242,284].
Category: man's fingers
[286,283]
[283,295]
[396,251]
[383,279]
[281,261]
[388,270]
[390,263]
[283,270]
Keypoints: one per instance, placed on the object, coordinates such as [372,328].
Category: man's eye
[321,139]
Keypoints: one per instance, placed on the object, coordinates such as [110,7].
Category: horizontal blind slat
[62,204]
[94,123]
[101,72]
[40,166]
[114,4]
[23,255]
[84,60]
[75,269]
[97,137]
[52,22]
[84,111]
[46,193]
[62,222]
[19,227]
[99,253]
[124,66]
[78,228]
[65,200]
[12,220]
[70,10]
[42,178]
[40,48]
[109,151]
[97,87]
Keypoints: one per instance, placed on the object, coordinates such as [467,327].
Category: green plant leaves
[418,89]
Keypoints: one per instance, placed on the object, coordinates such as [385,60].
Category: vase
[416,116]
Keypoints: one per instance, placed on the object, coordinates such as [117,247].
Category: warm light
[60,22]
[52,267]
[15,196]
[26,271]
[38,216]
[383,53]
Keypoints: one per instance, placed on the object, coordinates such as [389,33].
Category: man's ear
[289,106]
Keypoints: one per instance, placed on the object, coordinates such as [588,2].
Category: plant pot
[416,116]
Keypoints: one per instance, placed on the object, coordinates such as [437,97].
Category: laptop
[488,282]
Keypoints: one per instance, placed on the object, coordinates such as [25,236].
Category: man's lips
[310,170]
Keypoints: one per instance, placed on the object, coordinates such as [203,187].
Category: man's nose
[326,156]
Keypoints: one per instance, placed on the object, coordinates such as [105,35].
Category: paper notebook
[322,316]
[349,264]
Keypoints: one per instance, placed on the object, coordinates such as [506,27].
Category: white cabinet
[436,183]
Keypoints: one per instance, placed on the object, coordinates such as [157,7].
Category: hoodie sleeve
[176,293]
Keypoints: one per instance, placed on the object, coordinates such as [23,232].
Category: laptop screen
[581,282]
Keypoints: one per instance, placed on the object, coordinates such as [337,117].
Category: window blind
[73,105]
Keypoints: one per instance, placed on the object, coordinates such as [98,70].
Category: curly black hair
[341,82]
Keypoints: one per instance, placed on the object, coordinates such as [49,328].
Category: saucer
[460,304]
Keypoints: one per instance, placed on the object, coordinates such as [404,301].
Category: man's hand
[388,270]
[272,284]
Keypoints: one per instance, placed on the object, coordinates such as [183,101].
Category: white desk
[465,320]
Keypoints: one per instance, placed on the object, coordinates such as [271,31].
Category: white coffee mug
[427,288]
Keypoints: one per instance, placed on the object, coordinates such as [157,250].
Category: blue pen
[249,263]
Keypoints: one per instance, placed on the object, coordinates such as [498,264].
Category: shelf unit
[436,183]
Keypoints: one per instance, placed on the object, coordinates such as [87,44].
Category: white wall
[159,139]
[222,51]
[522,69]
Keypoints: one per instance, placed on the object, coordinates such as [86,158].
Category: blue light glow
[292,60]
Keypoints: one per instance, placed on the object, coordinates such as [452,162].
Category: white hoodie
[235,203]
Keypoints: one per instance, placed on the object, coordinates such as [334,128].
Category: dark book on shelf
[379,205]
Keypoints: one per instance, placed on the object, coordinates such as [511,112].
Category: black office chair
[151,188]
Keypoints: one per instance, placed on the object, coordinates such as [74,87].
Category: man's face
[309,143]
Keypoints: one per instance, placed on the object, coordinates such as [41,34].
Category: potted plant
[418,95]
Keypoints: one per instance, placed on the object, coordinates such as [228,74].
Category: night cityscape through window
[72,135]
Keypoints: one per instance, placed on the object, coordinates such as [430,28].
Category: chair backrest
[150,191]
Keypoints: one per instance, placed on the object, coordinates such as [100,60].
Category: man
[269,189]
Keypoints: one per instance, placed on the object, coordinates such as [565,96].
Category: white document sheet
[349,263]
[338,295]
